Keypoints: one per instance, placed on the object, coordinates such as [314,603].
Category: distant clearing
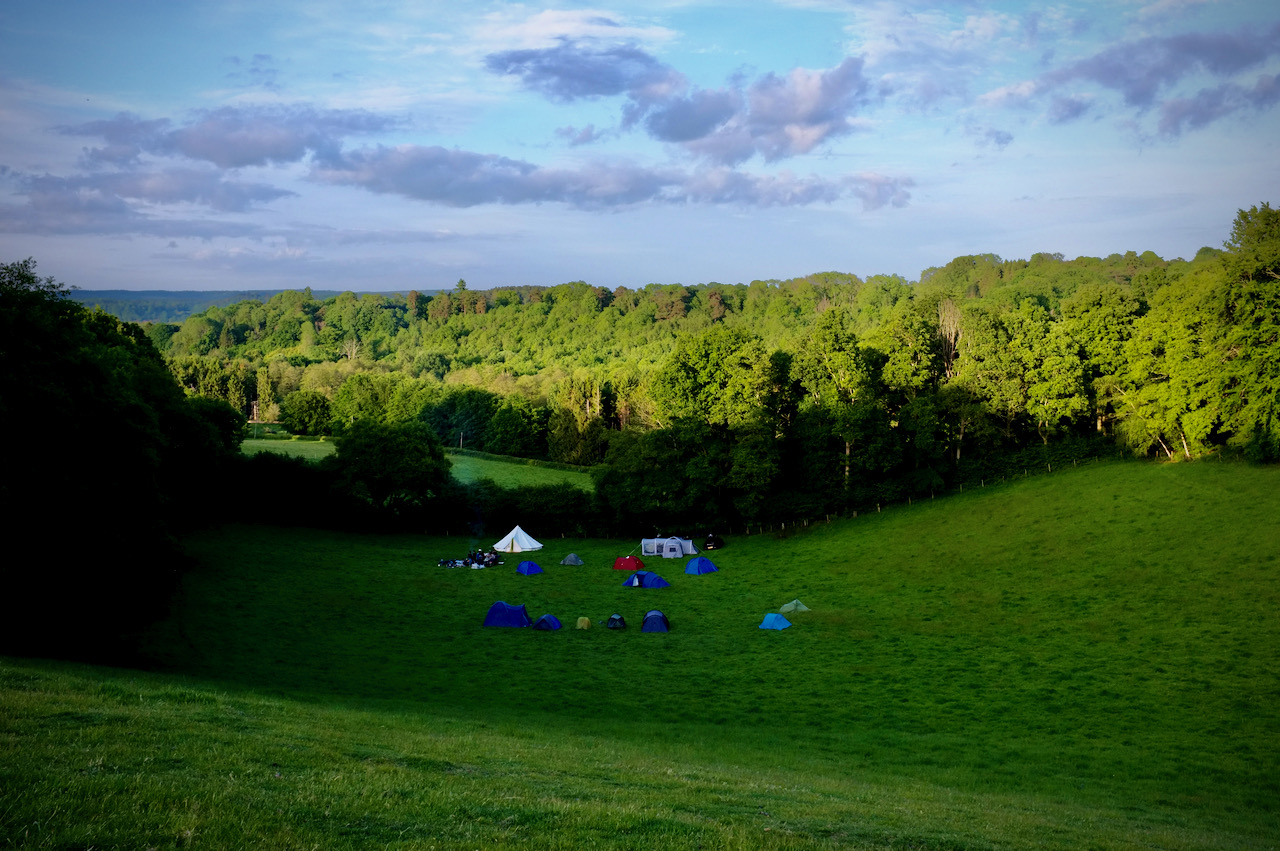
[466,468]
[514,473]
[1089,659]
[312,450]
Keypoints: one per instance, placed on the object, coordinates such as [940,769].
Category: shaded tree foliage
[99,521]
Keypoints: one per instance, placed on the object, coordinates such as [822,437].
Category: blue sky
[397,145]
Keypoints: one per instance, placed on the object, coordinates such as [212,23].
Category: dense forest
[778,400]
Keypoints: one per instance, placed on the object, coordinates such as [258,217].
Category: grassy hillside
[1089,659]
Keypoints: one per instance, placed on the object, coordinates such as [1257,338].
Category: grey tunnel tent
[667,547]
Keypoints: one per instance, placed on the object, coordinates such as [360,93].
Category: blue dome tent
[646,579]
[655,621]
[504,614]
[701,564]
[547,622]
[528,568]
[775,621]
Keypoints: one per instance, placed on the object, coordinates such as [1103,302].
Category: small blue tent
[547,622]
[528,568]
[502,614]
[701,564]
[775,621]
[645,579]
[655,621]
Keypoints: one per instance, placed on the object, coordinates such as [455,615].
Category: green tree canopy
[720,377]
[397,469]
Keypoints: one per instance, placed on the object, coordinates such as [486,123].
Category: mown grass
[312,450]
[465,468]
[101,758]
[470,468]
[1090,659]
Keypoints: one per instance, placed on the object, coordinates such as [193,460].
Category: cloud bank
[775,116]
[1146,72]
[465,179]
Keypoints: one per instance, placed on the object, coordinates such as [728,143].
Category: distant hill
[176,305]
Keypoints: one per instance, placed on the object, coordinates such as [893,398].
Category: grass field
[1084,660]
[312,450]
[465,468]
[469,468]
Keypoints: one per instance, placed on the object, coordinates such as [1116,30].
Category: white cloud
[1012,95]
[516,29]
[1167,8]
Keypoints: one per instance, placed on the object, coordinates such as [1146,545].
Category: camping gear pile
[475,560]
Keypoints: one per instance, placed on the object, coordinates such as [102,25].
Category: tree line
[820,394]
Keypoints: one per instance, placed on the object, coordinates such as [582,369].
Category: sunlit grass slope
[1089,659]
[505,471]
[512,473]
[312,450]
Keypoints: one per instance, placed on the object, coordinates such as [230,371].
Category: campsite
[798,425]
[943,690]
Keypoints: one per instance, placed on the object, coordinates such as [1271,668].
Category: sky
[388,146]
